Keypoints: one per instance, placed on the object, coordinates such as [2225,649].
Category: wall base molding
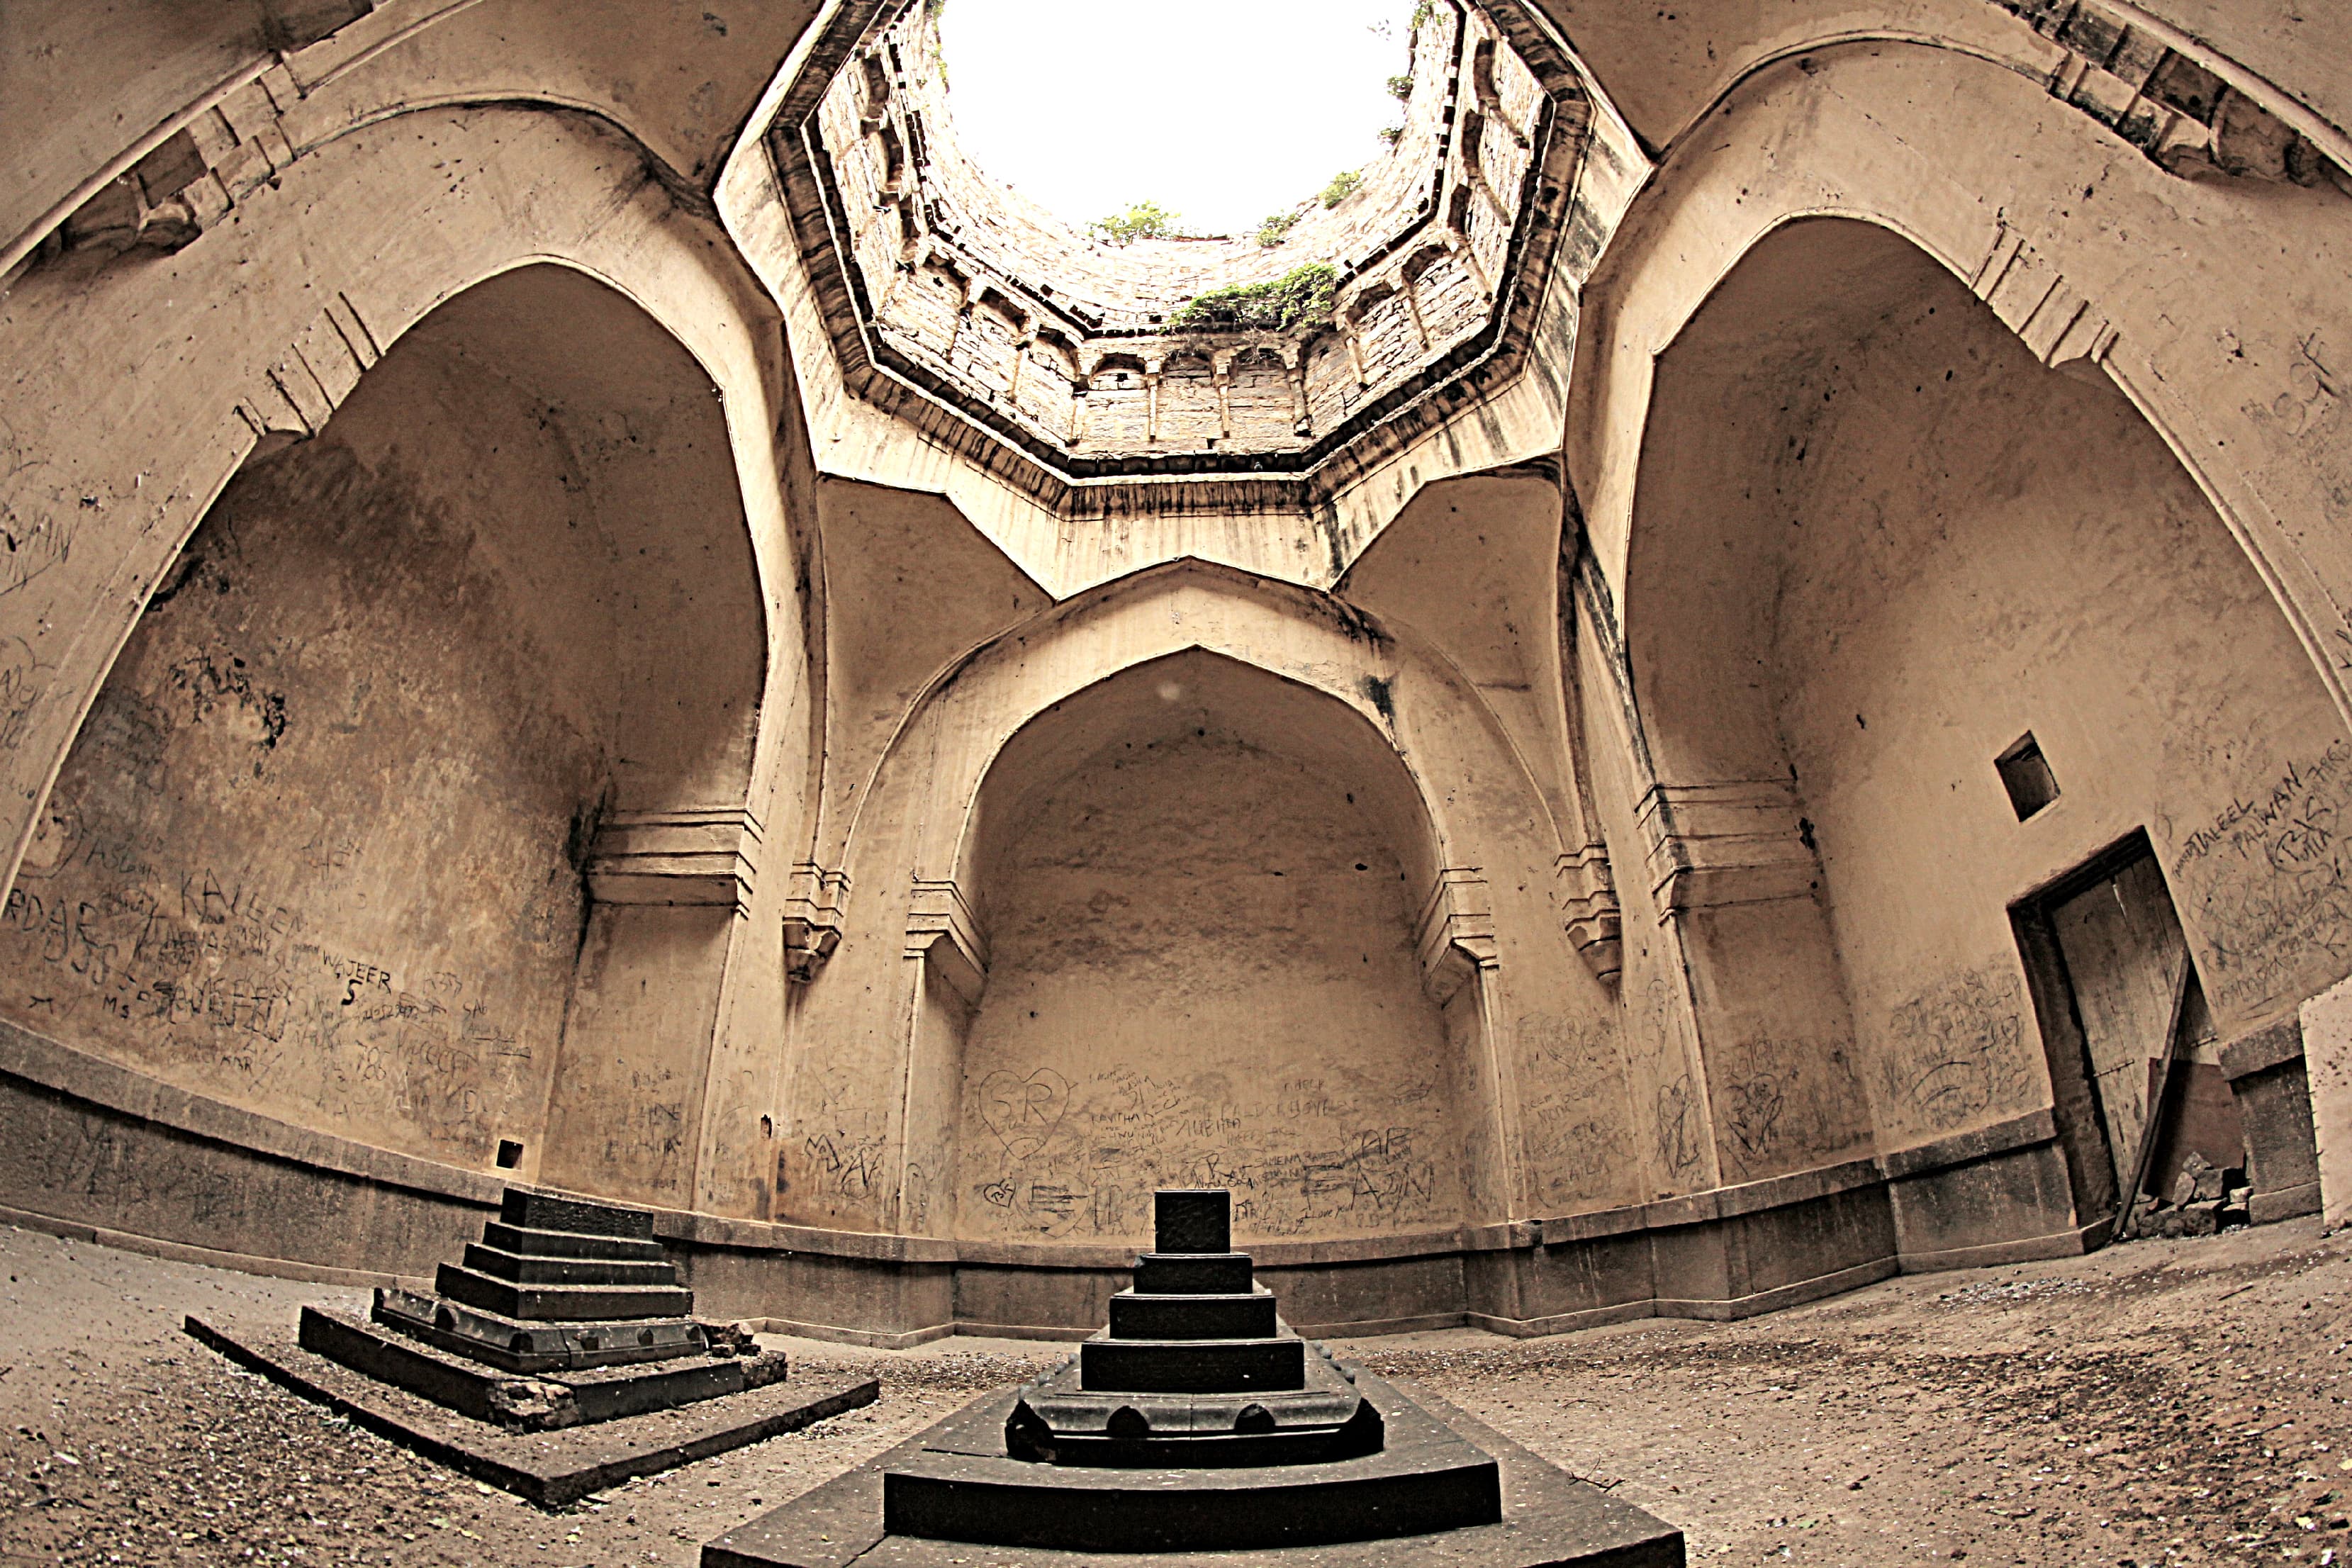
[1999,1253]
[104,1154]
[210,1257]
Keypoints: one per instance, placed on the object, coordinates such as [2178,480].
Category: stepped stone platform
[564,1325]
[1197,1425]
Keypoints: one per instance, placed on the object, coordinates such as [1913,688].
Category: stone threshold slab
[549,1468]
[1551,1519]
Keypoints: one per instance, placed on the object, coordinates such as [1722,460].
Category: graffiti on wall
[1323,1153]
[2266,881]
[1959,1052]
[1783,1104]
[1578,1138]
[197,961]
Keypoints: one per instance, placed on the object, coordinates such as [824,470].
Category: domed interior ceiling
[1061,359]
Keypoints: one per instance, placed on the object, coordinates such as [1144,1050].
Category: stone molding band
[57,1071]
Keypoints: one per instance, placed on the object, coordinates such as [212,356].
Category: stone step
[1134,1315]
[518,1270]
[1192,1366]
[549,1403]
[561,1303]
[518,1346]
[1056,1422]
[525,1242]
[957,1484]
[1194,1274]
[545,1211]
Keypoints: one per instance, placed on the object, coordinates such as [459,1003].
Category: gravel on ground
[2163,1402]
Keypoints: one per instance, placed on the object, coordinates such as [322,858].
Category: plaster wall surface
[2210,356]
[234,890]
[319,849]
[1202,973]
[2039,564]
[1664,70]
[1921,546]
[755,758]
[928,820]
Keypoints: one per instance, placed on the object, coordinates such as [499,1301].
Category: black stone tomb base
[1193,1366]
[1237,1316]
[1193,1220]
[544,1211]
[549,1468]
[1194,1274]
[1067,1425]
[517,1345]
[545,1402]
[1549,1519]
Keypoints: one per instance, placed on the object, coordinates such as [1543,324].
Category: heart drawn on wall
[1023,1111]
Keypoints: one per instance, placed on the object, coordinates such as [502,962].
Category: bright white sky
[1224,111]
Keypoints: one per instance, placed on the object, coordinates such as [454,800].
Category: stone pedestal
[2327,1062]
[1198,1422]
[566,1334]
[2266,1073]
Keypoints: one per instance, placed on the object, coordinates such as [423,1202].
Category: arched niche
[1198,885]
[412,809]
[1876,544]
[876,1070]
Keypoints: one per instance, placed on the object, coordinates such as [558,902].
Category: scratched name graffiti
[1577,1123]
[1059,1157]
[2288,825]
[23,677]
[1959,1051]
[2270,880]
[1676,1118]
[216,972]
[29,550]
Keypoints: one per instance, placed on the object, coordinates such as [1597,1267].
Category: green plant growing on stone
[1277,229]
[1392,134]
[1421,12]
[1342,186]
[1299,298]
[1144,220]
[1401,87]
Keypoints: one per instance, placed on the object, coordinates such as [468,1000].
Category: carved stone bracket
[1716,844]
[702,858]
[195,169]
[196,175]
[1589,892]
[2063,327]
[295,398]
[943,933]
[2182,115]
[1457,932]
[813,905]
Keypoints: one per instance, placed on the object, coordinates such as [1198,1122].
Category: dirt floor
[2163,1402]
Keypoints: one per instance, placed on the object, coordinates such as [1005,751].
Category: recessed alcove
[1199,887]
[428,759]
[1909,537]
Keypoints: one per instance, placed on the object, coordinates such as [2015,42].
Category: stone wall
[324,846]
[624,685]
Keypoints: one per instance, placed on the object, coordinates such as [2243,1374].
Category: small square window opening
[2026,774]
[510,1153]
